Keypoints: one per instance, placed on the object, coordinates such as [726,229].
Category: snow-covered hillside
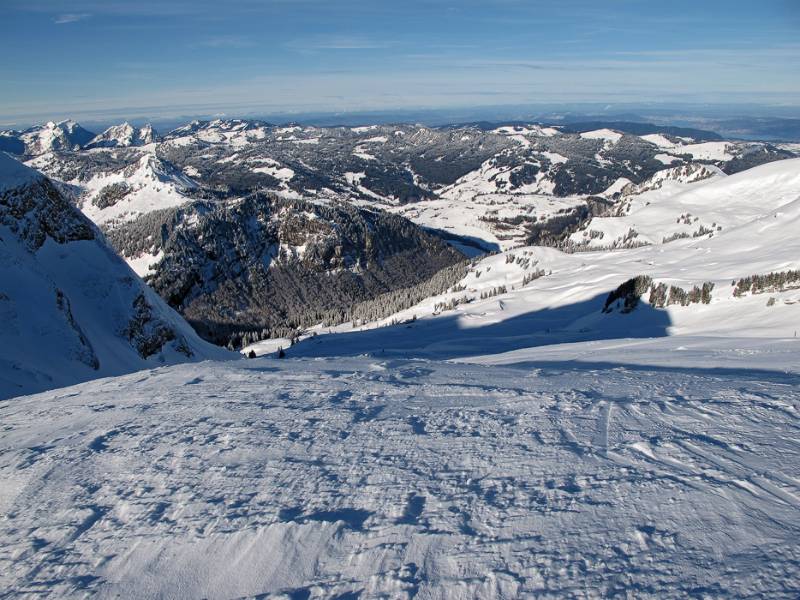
[148,184]
[71,309]
[673,207]
[536,296]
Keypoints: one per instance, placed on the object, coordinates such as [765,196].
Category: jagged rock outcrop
[124,136]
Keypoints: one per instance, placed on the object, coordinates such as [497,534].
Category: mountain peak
[124,135]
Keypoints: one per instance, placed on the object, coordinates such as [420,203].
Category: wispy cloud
[225,41]
[70,18]
[338,42]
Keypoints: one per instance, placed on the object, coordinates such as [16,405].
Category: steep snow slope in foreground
[70,308]
[368,478]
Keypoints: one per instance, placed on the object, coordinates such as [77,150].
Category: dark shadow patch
[417,425]
[413,510]
[100,443]
[368,413]
[446,338]
[353,518]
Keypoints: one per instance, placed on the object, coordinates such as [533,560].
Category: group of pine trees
[367,311]
[769,282]
[661,295]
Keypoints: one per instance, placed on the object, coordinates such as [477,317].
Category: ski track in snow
[366,478]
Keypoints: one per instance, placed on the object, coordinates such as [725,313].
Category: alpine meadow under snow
[492,361]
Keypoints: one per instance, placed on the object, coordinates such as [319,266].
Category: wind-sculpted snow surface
[369,478]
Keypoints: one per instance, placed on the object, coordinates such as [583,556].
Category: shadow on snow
[455,336]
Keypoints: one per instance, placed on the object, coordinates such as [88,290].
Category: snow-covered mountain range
[479,188]
[61,136]
[506,177]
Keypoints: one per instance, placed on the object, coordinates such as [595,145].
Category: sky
[93,58]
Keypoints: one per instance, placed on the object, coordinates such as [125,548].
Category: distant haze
[98,60]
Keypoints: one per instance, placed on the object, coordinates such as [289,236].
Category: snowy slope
[147,185]
[376,478]
[71,309]
[702,201]
[608,135]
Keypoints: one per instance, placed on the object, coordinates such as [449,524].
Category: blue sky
[161,57]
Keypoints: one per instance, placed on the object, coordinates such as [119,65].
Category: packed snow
[402,478]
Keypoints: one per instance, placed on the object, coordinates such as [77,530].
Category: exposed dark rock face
[83,351]
[71,309]
[38,210]
[148,334]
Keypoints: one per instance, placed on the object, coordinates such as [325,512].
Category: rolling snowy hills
[537,296]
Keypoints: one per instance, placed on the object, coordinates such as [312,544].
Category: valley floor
[562,471]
